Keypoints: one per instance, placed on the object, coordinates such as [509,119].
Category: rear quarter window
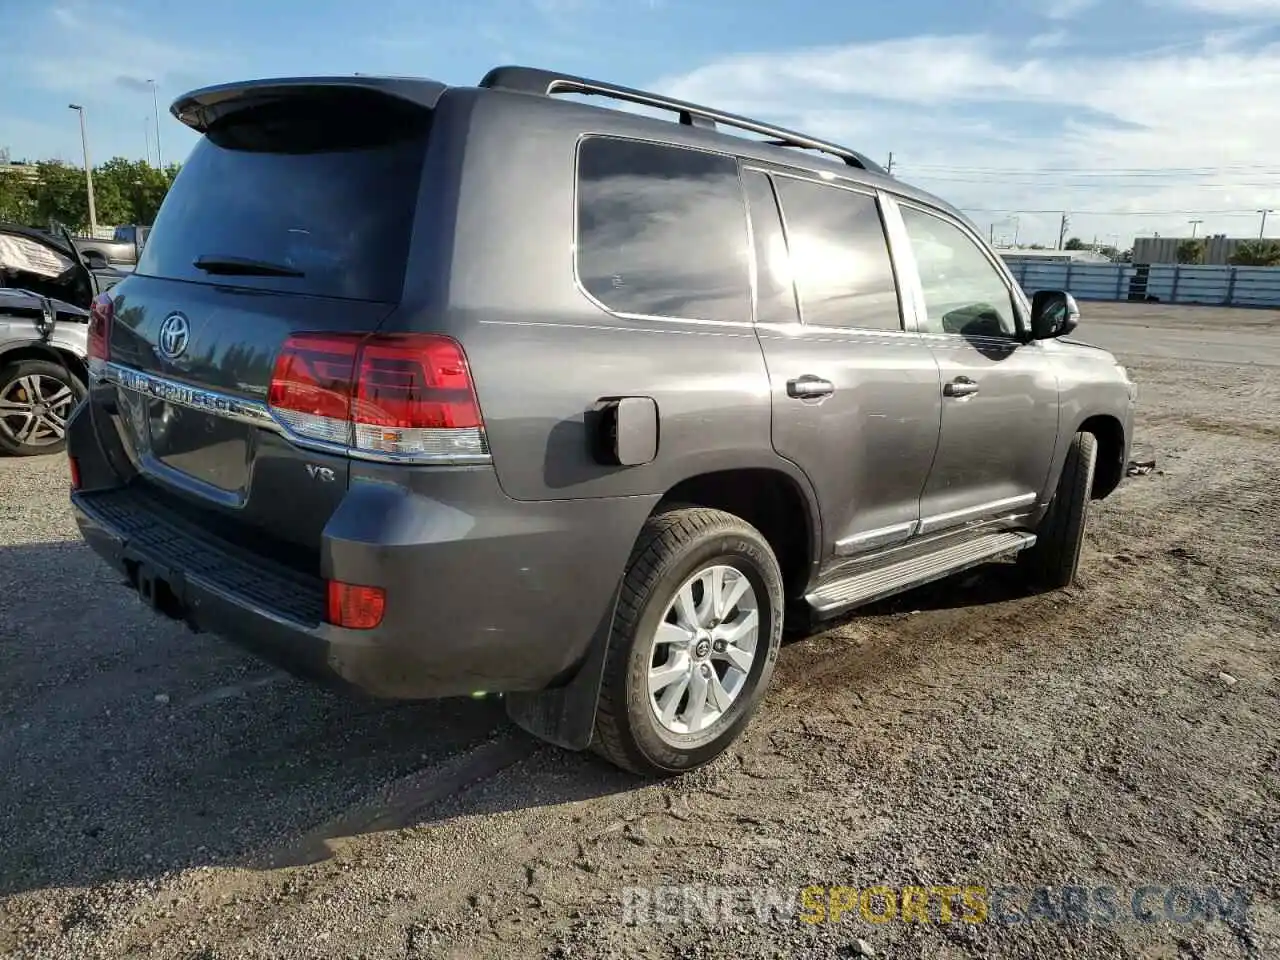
[323,184]
[662,231]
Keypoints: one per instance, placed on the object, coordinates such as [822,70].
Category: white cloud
[81,38]
[994,126]
[1231,8]
[1048,41]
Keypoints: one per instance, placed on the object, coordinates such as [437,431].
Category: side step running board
[868,585]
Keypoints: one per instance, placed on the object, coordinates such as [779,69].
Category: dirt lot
[164,795]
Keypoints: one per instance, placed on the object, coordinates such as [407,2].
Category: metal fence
[1165,282]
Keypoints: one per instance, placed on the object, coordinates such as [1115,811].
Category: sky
[1133,117]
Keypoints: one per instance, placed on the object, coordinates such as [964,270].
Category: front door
[999,393]
[855,396]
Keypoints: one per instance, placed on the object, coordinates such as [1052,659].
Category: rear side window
[322,185]
[839,256]
[662,231]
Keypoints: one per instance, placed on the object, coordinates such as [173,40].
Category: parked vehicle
[45,293]
[479,389]
[121,250]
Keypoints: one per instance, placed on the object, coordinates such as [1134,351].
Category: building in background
[1217,248]
[1028,255]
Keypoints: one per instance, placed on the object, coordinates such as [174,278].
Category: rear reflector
[405,396]
[74,467]
[355,607]
[101,313]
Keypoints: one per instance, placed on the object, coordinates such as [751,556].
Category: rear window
[662,231]
[323,185]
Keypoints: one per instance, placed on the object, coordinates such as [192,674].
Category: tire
[698,548]
[25,384]
[1053,561]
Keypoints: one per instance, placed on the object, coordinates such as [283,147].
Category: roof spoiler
[201,108]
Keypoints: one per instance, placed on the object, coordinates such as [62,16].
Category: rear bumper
[483,592]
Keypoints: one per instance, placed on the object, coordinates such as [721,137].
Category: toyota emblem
[175,333]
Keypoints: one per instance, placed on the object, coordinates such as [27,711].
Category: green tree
[1075,243]
[1191,251]
[16,201]
[61,196]
[139,184]
[1257,253]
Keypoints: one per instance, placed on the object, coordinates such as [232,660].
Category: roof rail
[546,82]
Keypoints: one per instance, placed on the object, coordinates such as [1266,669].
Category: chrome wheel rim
[703,649]
[34,410]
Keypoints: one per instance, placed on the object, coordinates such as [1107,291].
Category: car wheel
[693,645]
[1053,561]
[36,398]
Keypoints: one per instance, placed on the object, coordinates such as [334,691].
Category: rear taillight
[355,607]
[74,467]
[399,395]
[101,313]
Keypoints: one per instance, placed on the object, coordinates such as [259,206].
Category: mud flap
[566,716]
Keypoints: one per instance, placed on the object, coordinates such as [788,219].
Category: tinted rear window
[322,184]
[662,231]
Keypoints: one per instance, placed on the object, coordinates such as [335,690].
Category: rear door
[999,393]
[291,214]
[855,395]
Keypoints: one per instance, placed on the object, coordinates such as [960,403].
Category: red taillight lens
[74,467]
[311,385]
[403,395]
[414,381]
[355,607]
[101,313]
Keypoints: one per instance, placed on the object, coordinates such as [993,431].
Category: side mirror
[1054,313]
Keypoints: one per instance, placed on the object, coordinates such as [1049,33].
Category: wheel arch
[781,506]
[1108,431]
[40,351]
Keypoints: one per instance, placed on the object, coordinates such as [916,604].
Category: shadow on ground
[133,748]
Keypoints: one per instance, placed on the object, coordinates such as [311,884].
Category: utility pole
[1263,228]
[993,235]
[88,168]
[155,103]
[1062,230]
[889,169]
[1194,225]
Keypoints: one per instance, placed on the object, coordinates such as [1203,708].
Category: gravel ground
[164,795]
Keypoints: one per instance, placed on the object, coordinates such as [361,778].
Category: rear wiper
[243,267]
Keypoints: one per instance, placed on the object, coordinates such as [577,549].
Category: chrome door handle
[809,386]
[960,387]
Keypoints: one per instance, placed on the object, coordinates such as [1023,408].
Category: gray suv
[429,391]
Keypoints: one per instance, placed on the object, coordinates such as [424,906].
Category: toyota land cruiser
[429,390]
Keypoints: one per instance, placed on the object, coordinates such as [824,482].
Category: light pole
[1194,225]
[1263,228]
[88,169]
[155,103]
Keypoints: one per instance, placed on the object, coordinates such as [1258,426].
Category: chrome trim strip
[955,517]
[253,413]
[879,537]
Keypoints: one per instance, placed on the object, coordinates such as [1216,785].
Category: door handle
[960,387]
[809,386]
